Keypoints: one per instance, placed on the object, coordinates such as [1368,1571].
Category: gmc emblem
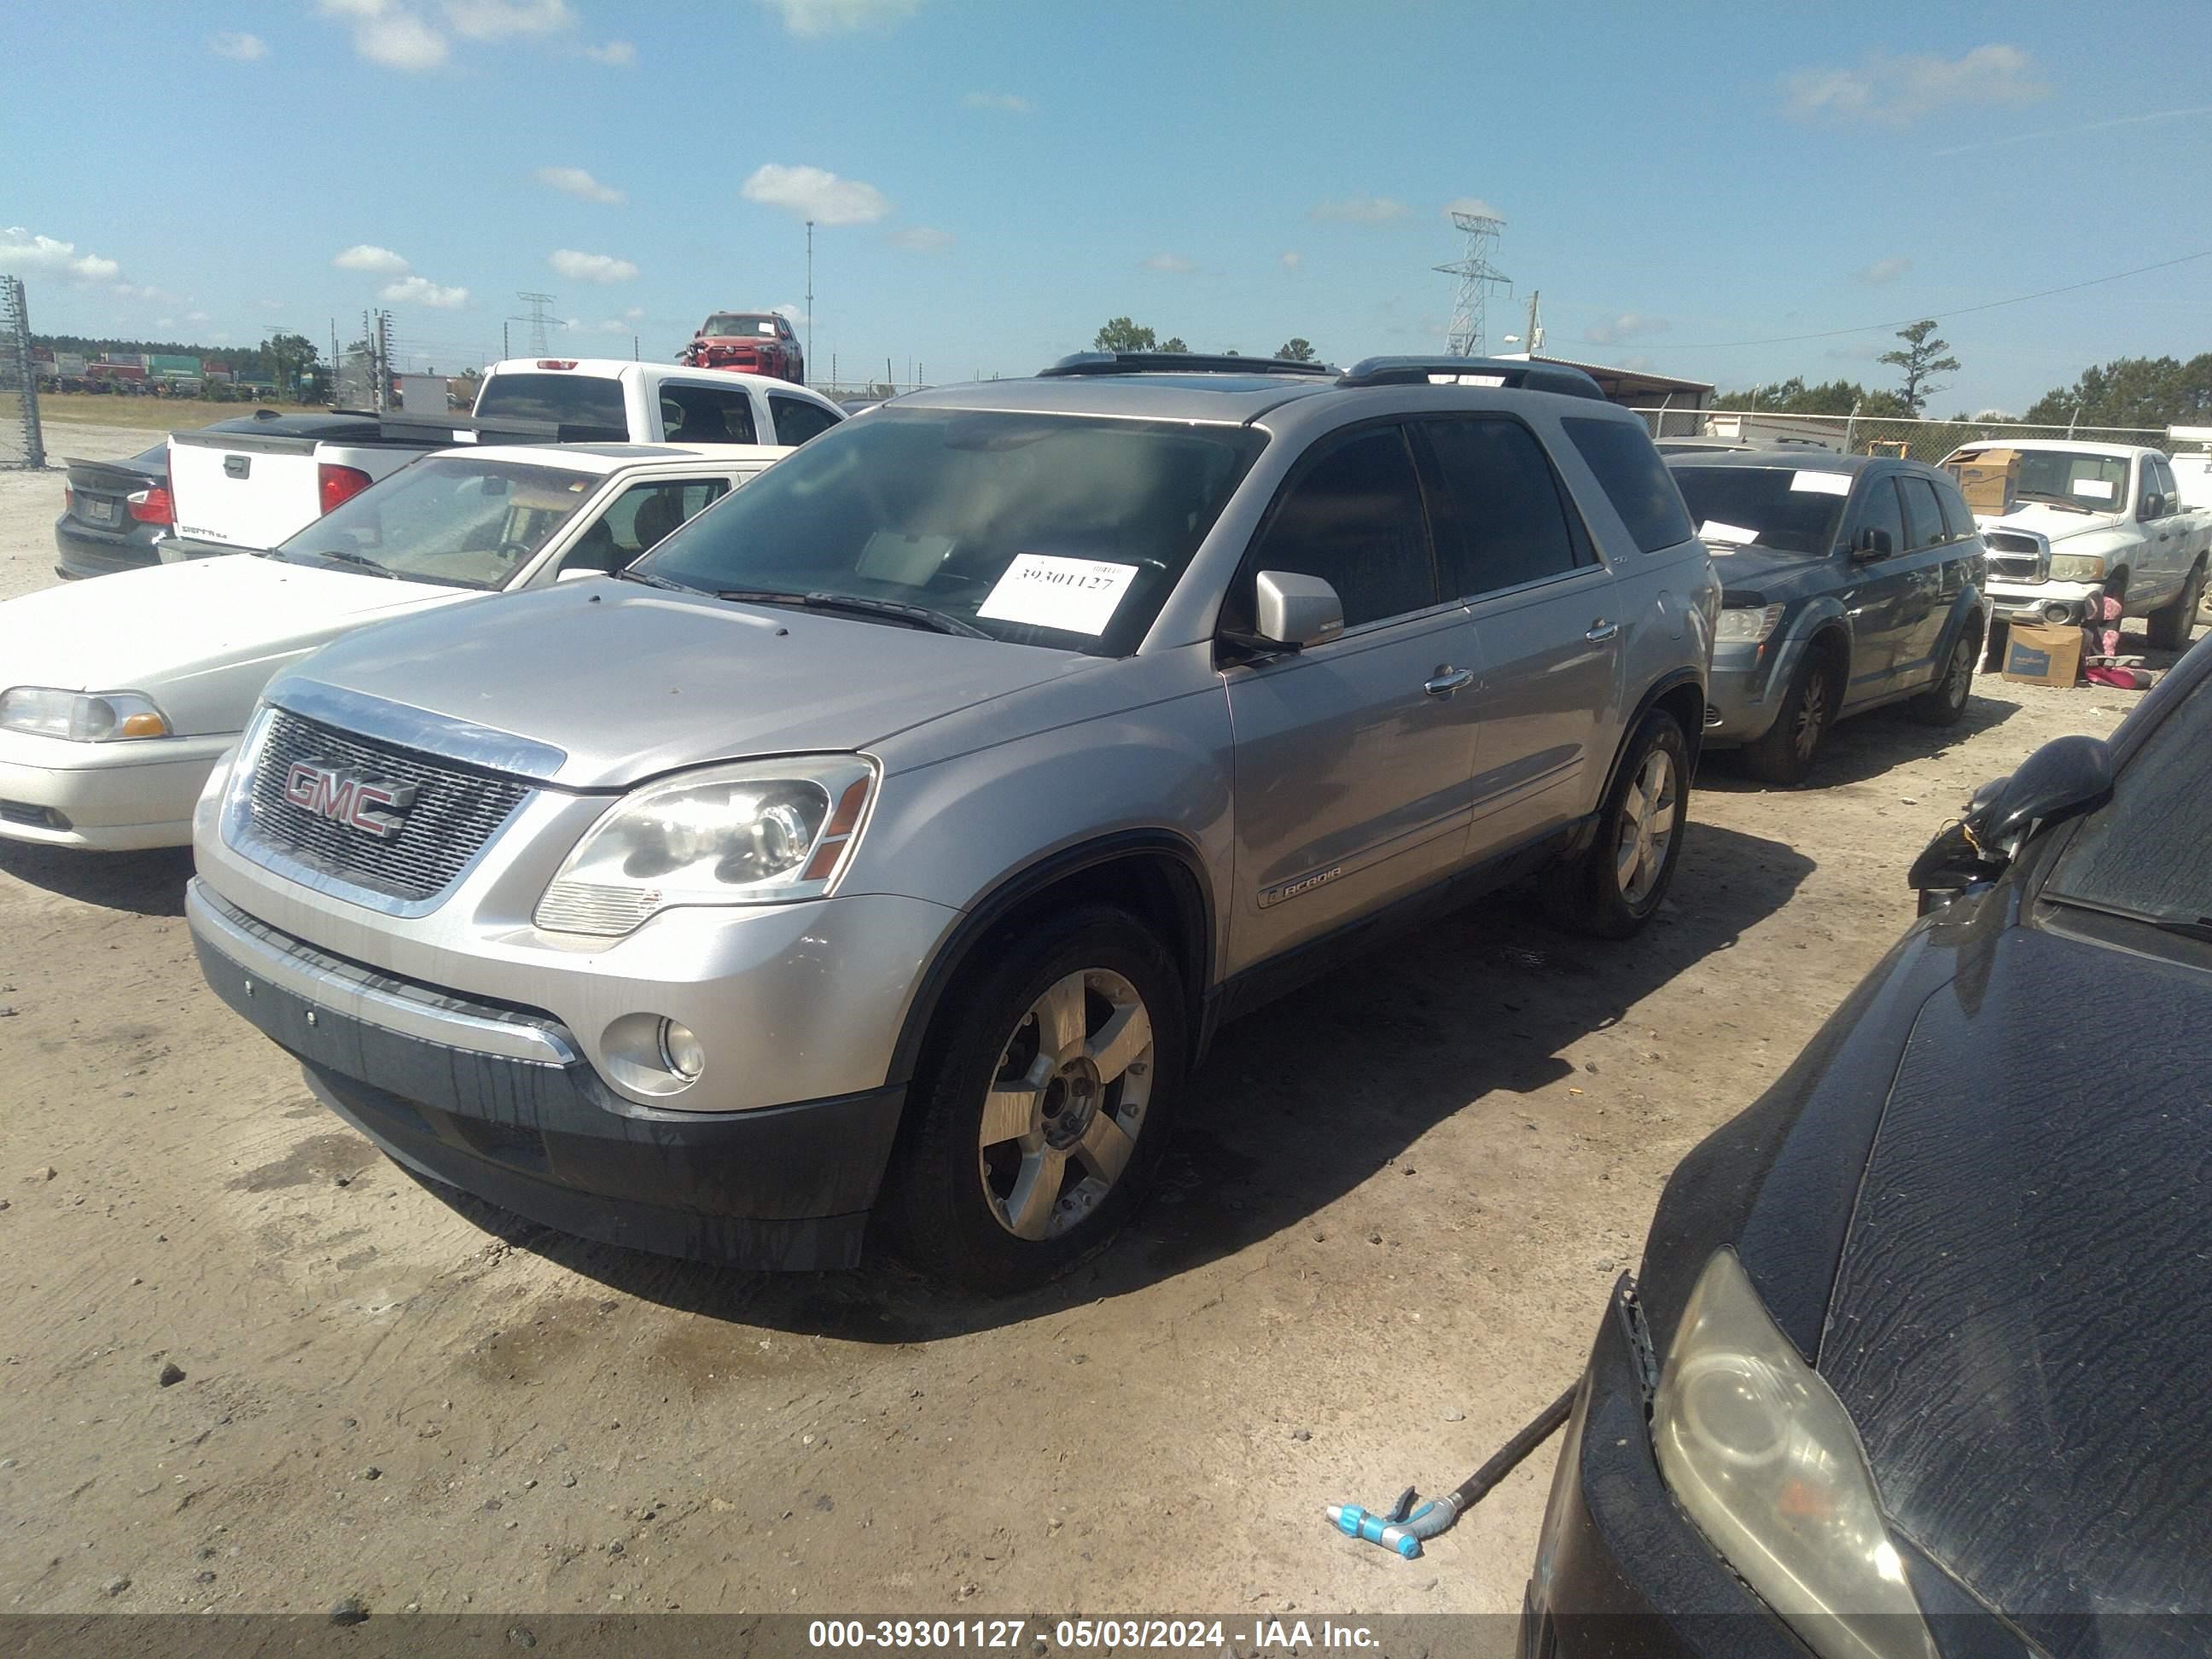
[343,796]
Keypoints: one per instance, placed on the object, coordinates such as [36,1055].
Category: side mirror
[1293,611]
[2153,506]
[2065,776]
[1872,544]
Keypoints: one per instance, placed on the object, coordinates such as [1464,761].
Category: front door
[1921,596]
[1353,758]
[1876,599]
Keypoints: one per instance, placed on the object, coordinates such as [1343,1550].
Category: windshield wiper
[651,580]
[921,615]
[2199,928]
[354,561]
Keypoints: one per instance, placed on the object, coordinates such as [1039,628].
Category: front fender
[1823,611]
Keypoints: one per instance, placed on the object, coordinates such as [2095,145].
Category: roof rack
[1515,373]
[1187,363]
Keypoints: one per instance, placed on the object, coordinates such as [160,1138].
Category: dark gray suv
[1849,581]
[890,841]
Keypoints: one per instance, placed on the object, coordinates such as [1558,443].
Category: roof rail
[1187,363]
[1490,371]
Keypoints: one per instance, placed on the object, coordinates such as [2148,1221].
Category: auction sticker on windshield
[1077,595]
[1822,483]
[1712,530]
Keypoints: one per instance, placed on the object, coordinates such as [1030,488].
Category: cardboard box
[1987,479]
[2043,653]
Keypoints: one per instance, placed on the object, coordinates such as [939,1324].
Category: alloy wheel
[1067,1103]
[1647,827]
[1812,715]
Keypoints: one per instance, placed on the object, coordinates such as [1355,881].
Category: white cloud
[999,100]
[367,256]
[812,193]
[21,252]
[815,18]
[421,291]
[591,267]
[1474,204]
[618,54]
[792,314]
[1884,271]
[611,325]
[1629,325]
[1895,91]
[239,47]
[923,238]
[1358,210]
[387,33]
[147,291]
[1290,261]
[196,317]
[1173,264]
[165,322]
[499,20]
[634,314]
[574,181]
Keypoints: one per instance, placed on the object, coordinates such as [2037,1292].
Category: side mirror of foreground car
[2067,775]
[1293,611]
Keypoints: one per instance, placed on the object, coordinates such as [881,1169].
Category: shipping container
[171,364]
[125,358]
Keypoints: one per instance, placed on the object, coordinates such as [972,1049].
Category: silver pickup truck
[2088,520]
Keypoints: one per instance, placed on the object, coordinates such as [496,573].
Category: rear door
[1353,758]
[798,419]
[693,414]
[1544,609]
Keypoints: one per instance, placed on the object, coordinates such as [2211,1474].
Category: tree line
[1124,334]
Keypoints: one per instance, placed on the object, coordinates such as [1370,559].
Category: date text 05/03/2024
[1253,1637]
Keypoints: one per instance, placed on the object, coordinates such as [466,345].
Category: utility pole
[539,316]
[1475,274]
[1533,339]
[810,295]
[503,352]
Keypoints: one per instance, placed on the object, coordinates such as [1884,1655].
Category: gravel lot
[1391,1223]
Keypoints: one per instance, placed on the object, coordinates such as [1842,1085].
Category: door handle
[1601,631]
[1447,680]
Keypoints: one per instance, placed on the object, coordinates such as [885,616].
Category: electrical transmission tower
[1469,322]
[540,315]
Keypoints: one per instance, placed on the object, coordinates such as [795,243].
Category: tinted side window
[1924,519]
[1877,508]
[796,420]
[1512,525]
[1958,517]
[1634,479]
[707,414]
[1355,520]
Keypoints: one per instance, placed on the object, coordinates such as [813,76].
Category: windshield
[727,322]
[1790,509]
[590,406]
[2144,851]
[1049,530]
[454,521]
[2098,482]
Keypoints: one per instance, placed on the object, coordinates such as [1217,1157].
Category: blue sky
[994,179]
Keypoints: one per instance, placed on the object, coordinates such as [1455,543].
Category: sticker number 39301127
[1077,595]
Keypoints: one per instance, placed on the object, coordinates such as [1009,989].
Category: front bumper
[2061,603]
[1744,687]
[103,797]
[498,1101]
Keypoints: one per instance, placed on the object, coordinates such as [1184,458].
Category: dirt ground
[1392,1217]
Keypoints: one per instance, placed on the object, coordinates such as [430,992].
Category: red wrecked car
[750,341]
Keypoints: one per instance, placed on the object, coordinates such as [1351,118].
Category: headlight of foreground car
[80,716]
[2076,567]
[1765,1460]
[1747,625]
[763,832]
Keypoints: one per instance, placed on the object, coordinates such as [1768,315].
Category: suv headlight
[2076,567]
[1765,1460]
[760,832]
[1747,625]
[80,716]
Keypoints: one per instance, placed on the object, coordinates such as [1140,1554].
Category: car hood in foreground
[628,682]
[2019,1326]
[201,637]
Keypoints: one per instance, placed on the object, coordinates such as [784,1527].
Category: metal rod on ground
[1402,1532]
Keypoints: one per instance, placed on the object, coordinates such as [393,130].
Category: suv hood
[1756,573]
[627,682]
[2054,524]
[2019,1326]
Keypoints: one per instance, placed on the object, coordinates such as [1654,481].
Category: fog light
[680,1050]
[2057,611]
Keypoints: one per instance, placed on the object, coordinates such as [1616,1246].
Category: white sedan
[117,696]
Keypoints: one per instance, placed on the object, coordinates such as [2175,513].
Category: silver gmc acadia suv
[890,842]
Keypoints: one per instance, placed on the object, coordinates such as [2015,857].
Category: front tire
[1783,752]
[1038,1116]
[2170,624]
[1945,700]
[1616,886]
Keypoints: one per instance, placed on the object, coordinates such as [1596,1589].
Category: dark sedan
[1848,581]
[1921,1360]
[112,511]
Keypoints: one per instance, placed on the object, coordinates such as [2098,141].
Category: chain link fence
[22,444]
[1861,435]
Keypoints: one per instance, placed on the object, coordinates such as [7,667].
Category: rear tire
[1783,752]
[1945,700]
[1612,889]
[2170,624]
[1039,1114]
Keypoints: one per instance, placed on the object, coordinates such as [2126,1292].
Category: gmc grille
[456,810]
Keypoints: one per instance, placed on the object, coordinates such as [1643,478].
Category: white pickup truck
[2086,520]
[235,492]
